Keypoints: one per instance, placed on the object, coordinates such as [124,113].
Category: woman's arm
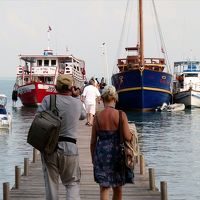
[126,130]
[93,140]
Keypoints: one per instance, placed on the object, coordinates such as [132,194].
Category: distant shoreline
[7,78]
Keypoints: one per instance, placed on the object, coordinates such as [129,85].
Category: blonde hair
[109,93]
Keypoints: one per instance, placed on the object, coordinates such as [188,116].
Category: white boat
[186,85]
[5,117]
[171,107]
[37,75]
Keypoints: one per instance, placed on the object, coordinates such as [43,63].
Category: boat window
[26,80]
[46,62]
[53,62]
[74,67]
[194,67]
[191,75]
[49,80]
[77,68]
[39,62]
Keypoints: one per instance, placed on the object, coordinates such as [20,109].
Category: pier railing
[35,158]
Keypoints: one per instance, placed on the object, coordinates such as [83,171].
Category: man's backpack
[44,131]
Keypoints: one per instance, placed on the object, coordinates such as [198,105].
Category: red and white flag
[49,29]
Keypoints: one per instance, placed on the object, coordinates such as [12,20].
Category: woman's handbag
[129,148]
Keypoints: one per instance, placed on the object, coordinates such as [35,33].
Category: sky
[82,26]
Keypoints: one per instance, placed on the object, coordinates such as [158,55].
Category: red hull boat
[37,75]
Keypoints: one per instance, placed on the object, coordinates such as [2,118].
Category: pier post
[6,191]
[26,166]
[163,189]
[142,168]
[152,185]
[17,176]
[137,157]
[34,154]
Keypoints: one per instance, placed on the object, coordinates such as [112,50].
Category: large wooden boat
[187,83]
[142,83]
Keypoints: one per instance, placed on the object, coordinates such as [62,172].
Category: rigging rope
[121,35]
[163,47]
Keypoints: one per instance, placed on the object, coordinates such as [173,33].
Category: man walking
[64,161]
[89,96]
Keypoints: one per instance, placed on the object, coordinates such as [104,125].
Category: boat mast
[48,37]
[141,50]
[104,52]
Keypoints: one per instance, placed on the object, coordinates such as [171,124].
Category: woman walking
[105,147]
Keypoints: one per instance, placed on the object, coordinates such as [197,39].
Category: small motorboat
[5,117]
[171,107]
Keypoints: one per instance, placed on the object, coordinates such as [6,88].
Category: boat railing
[194,86]
[131,63]
[160,61]
[41,74]
[40,71]
[44,70]
[191,70]
[154,67]
[22,70]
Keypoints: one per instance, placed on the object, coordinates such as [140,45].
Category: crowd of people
[76,104]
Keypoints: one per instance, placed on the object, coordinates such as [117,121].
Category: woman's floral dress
[108,161]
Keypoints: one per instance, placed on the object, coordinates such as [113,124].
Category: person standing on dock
[105,147]
[89,96]
[14,95]
[64,161]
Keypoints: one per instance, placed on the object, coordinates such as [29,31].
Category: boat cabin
[186,75]
[45,68]
[132,62]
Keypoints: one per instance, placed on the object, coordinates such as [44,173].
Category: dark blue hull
[142,91]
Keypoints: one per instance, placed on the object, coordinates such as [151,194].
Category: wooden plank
[32,187]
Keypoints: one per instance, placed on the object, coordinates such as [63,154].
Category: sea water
[170,142]
[13,146]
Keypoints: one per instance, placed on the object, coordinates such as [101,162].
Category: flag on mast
[162,50]
[49,29]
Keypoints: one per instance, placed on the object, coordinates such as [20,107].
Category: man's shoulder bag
[44,131]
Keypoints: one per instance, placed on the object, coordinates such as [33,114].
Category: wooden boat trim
[144,88]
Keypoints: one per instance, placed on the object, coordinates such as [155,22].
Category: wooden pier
[29,183]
